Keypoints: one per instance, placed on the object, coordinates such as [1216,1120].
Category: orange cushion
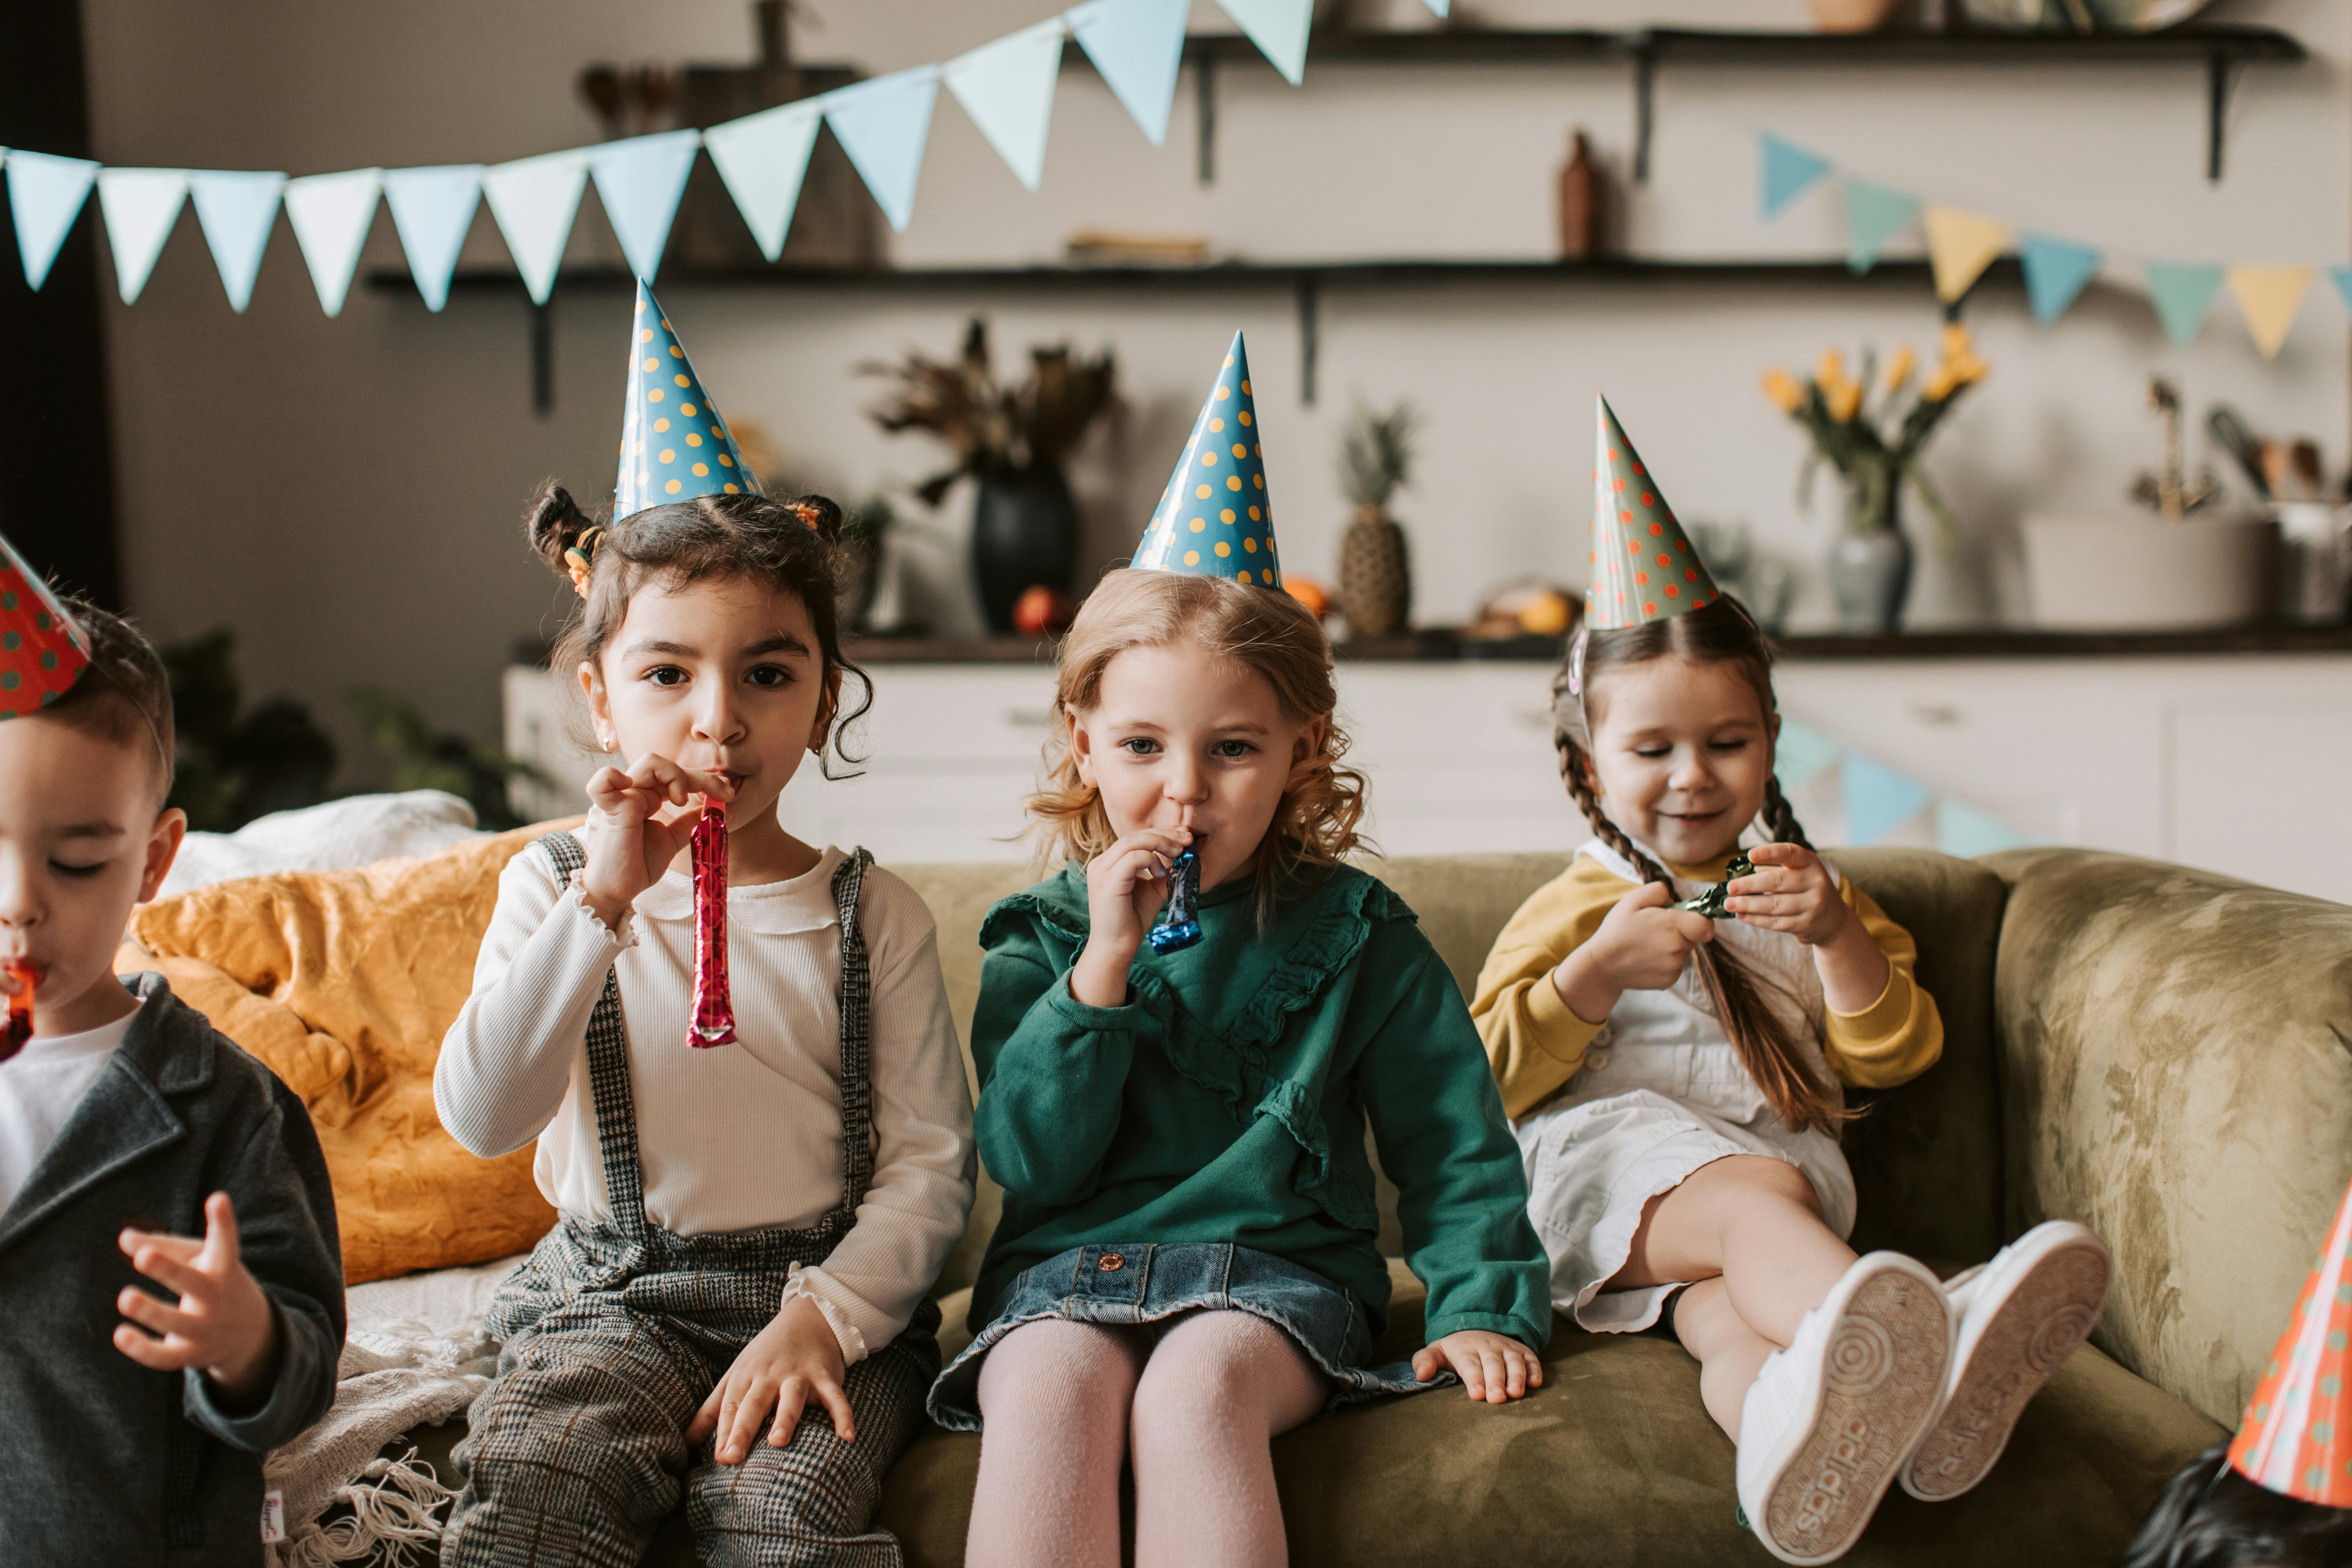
[344,982]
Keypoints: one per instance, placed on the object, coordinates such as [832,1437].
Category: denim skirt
[1147,1283]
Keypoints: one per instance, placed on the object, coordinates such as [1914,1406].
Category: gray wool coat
[101,1460]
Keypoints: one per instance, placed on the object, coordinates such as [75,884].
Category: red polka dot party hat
[674,446]
[2296,1439]
[1215,520]
[42,651]
[1645,568]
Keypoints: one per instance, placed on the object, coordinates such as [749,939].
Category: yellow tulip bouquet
[1876,449]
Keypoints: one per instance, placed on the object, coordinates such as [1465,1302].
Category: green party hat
[674,445]
[1215,520]
[1644,567]
[42,651]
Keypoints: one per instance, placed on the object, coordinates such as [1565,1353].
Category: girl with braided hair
[1676,1078]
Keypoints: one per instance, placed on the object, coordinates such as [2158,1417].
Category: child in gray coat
[144,1369]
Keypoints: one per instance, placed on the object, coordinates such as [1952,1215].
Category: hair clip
[580,555]
[810,514]
[1576,662]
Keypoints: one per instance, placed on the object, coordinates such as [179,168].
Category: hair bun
[554,525]
[819,514]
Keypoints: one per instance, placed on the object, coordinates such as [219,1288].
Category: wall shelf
[1307,281]
[2223,50]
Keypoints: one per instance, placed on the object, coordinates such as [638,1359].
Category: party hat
[1215,520]
[2296,1439]
[673,445]
[42,651]
[1645,568]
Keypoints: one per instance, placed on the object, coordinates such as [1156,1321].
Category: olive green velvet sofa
[2163,1054]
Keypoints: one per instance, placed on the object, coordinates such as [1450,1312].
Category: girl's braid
[1779,818]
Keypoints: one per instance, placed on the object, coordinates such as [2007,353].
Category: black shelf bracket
[1645,88]
[1310,342]
[2221,76]
[1204,88]
[542,358]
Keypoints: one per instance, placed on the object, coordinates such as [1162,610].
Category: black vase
[1024,534]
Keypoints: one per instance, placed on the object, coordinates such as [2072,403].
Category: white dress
[1661,1093]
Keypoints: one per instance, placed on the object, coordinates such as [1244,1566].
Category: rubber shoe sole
[2043,1318]
[1882,1382]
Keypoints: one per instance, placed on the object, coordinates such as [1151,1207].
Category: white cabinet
[2237,763]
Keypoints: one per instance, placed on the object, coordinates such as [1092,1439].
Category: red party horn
[714,1009]
[19,1026]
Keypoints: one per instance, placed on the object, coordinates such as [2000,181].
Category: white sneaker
[1831,1419]
[2020,1316]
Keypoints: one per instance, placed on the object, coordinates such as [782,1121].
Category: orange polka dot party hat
[2296,1439]
[42,651]
[674,446]
[1645,568]
[1215,520]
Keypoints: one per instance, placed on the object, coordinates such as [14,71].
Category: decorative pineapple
[1375,572]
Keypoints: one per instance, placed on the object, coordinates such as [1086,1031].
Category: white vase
[2143,573]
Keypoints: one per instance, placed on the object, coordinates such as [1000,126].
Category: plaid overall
[616,1331]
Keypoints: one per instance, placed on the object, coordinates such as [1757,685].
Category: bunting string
[1961,243]
[1006,87]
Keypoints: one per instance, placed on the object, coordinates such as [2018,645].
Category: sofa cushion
[344,982]
[2176,1061]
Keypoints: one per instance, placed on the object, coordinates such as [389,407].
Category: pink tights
[1197,1402]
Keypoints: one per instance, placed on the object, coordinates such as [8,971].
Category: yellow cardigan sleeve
[1896,1038]
[1534,1043]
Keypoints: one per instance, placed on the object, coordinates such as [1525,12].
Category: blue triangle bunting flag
[236,209]
[2342,277]
[762,158]
[1007,88]
[2055,271]
[1877,799]
[882,125]
[1801,754]
[1789,172]
[1278,29]
[534,201]
[45,196]
[140,207]
[433,207]
[1137,44]
[640,181]
[1215,520]
[1439,7]
[332,214]
[1964,831]
[1873,215]
[2183,293]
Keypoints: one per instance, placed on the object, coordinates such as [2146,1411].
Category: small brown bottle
[1579,203]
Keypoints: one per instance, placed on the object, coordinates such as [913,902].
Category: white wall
[345,492]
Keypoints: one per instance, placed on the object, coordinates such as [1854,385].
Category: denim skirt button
[1112,1262]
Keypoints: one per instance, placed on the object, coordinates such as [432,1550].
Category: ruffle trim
[802,1283]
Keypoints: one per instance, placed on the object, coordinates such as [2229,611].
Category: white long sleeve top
[739,1137]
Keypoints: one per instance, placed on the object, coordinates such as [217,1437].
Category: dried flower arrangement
[992,427]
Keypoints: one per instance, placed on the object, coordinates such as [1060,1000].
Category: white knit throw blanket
[416,1355]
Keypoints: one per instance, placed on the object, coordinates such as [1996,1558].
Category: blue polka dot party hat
[1215,520]
[674,445]
[42,651]
[1645,568]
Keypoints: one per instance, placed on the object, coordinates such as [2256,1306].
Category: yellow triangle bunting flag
[1960,246]
[2270,296]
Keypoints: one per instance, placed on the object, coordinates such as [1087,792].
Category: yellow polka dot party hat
[42,651]
[1645,568]
[2296,1439]
[1215,520]
[674,446]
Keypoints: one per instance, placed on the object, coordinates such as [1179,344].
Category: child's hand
[795,1359]
[1126,886]
[224,1324]
[1790,892]
[1641,945]
[629,847]
[1491,1367]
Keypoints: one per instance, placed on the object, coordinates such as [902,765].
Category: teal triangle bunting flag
[1137,44]
[431,209]
[762,158]
[45,196]
[332,214]
[2183,292]
[140,207]
[1873,215]
[1007,88]
[1963,831]
[2342,277]
[534,201]
[1278,29]
[640,180]
[1877,799]
[1801,754]
[882,125]
[1789,172]
[236,209]
[2055,271]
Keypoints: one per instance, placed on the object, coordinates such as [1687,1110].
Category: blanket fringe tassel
[393,1504]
